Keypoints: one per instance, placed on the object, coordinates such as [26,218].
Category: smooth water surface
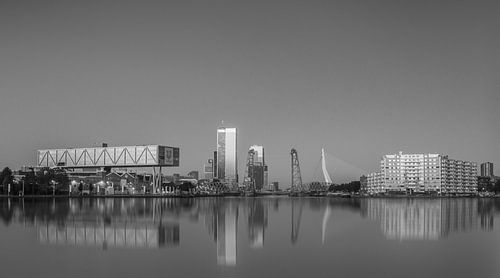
[250,237]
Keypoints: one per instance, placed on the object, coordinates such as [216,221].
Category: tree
[47,177]
[6,178]
[30,182]
[496,188]
[353,186]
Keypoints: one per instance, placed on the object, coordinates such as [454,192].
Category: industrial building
[121,156]
[93,164]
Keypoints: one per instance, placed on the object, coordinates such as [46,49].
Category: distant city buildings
[259,168]
[423,173]
[227,160]
[363,184]
[275,186]
[209,169]
[487,179]
[487,169]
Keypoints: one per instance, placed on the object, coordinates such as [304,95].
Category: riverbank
[235,194]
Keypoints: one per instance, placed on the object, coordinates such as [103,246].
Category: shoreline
[233,195]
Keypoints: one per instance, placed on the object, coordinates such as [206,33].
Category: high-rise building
[259,170]
[275,186]
[259,154]
[423,173]
[487,169]
[209,169]
[227,160]
[214,165]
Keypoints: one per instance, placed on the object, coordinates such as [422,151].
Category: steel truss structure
[296,176]
[122,156]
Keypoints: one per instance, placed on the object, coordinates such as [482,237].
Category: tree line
[44,181]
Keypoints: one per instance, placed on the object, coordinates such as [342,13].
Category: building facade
[423,173]
[227,160]
[374,183]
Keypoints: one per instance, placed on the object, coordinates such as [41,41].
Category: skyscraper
[260,167]
[487,169]
[259,154]
[227,161]
[209,169]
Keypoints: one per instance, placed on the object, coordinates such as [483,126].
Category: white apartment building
[375,183]
[423,173]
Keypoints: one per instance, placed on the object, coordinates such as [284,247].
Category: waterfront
[248,237]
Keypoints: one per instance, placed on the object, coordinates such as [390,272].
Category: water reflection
[257,222]
[156,223]
[431,219]
[221,220]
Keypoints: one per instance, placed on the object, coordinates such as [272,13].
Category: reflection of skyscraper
[168,235]
[257,223]
[227,162]
[227,219]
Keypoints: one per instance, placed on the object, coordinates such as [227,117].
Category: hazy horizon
[359,78]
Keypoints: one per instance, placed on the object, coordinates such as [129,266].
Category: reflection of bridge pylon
[296,176]
[296,216]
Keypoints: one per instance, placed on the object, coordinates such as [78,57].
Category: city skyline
[360,79]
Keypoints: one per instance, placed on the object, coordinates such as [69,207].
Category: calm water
[250,237]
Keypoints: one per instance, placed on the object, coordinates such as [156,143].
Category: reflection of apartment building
[423,173]
[410,219]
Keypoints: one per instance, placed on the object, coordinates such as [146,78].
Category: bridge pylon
[296,176]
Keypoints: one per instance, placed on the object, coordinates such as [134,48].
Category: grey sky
[361,78]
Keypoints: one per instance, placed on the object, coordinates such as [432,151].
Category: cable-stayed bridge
[298,187]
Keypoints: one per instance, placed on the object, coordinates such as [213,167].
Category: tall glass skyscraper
[227,161]
[260,167]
